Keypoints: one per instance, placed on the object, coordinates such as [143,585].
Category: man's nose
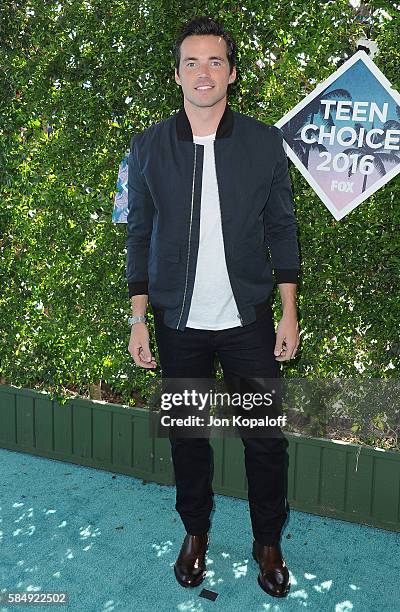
[204,70]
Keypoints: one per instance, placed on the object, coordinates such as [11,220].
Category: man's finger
[144,354]
[145,364]
[279,345]
[139,357]
[287,353]
[295,350]
[296,347]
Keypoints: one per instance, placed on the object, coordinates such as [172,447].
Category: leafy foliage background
[77,79]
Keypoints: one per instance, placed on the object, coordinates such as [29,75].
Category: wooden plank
[291,450]
[333,478]
[359,482]
[307,475]
[122,440]
[217,444]
[163,468]
[386,489]
[234,471]
[8,432]
[25,421]
[82,431]
[142,449]
[44,424]
[62,414]
[101,435]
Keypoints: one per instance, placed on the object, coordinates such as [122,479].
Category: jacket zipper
[190,233]
[220,214]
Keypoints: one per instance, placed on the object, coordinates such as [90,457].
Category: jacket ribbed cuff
[286,276]
[138,288]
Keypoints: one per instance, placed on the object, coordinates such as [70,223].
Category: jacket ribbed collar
[184,129]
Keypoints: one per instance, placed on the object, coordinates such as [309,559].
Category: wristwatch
[133,320]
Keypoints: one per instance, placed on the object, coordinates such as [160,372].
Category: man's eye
[217,63]
[190,64]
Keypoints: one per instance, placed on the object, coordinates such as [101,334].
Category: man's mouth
[204,87]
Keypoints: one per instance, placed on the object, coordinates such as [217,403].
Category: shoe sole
[198,581]
[285,592]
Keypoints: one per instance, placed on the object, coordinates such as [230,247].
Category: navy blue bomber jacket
[163,225]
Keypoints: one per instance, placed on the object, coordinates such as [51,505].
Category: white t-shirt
[213,305]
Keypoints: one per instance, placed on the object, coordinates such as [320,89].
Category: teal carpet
[110,542]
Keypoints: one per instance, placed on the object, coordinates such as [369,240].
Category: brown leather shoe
[274,574]
[190,567]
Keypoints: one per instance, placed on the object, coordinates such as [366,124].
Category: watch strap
[139,319]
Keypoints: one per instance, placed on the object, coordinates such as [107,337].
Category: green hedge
[77,79]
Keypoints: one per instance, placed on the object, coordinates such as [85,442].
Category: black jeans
[244,352]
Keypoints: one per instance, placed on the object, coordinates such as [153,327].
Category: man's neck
[204,120]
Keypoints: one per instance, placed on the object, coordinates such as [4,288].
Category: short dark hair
[200,26]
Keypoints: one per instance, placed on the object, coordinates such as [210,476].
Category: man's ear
[177,79]
[232,76]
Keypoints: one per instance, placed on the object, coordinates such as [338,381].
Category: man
[209,195]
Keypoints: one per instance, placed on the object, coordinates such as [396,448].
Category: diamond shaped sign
[120,210]
[344,136]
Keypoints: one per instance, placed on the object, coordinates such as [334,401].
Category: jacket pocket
[251,263]
[165,275]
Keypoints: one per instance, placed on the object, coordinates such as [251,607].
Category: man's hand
[287,336]
[139,346]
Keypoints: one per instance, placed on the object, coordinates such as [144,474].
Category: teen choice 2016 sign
[344,137]
[120,210]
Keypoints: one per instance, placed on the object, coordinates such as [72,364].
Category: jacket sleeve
[139,226]
[280,222]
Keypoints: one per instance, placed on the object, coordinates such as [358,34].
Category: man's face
[204,69]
